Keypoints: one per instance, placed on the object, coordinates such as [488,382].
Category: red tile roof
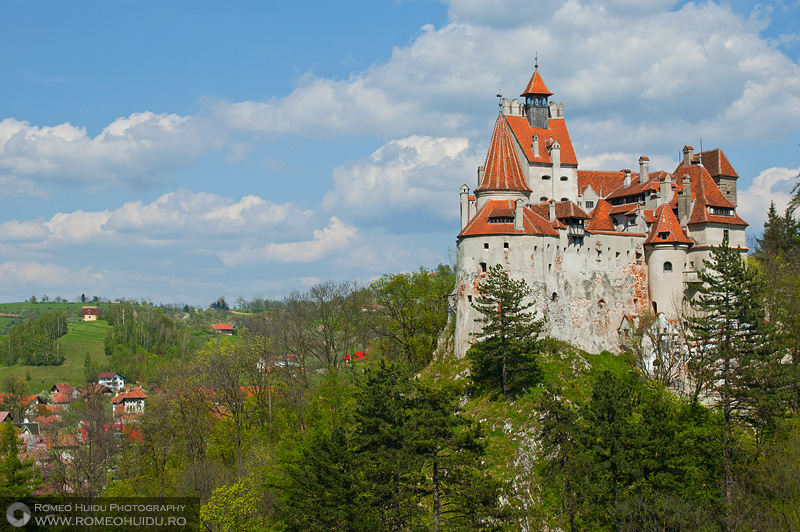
[502,170]
[536,86]
[62,387]
[557,130]
[134,394]
[603,183]
[107,375]
[222,326]
[716,163]
[666,229]
[61,398]
[600,220]
[532,223]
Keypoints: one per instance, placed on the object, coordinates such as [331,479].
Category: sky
[181,151]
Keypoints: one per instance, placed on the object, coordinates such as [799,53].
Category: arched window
[601,303]
[564,178]
[667,266]
[545,177]
[564,199]
[554,297]
[543,198]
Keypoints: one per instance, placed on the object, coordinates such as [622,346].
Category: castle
[597,247]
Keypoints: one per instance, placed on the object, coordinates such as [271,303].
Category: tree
[220,304]
[504,356]
[32,299]
[732,356]
[83,298]
[18,478]
[411,313]
[15,400]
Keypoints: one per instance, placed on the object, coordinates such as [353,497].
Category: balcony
[691,277]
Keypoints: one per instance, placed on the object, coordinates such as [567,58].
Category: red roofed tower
[536,106]
[665,253]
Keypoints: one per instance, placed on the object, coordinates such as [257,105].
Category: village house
[90,313]
[112,380]
[129,402]
[597,247]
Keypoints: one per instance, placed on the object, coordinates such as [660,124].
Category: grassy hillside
[510,424]
[14,313]
[82,338]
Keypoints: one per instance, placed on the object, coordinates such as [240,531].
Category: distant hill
[81,338]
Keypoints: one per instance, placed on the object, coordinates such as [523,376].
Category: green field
[13,313]
[82,338]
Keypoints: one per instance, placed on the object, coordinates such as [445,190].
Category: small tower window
[564,178]
[564,199]
[545,177]
[485,245]
[725,235]
[543,198]
[601,303]
[483,268]
[505,245]
[667,266]
[554,297]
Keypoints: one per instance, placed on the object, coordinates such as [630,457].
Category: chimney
[666,190]
[641,223]
[506,106]
[552,210]
[626,182]
[685,201]
[644,169]
[464,196]
[688,154]
[481,169]
[535,145]
[518,214]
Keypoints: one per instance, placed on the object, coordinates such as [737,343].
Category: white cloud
[138,150]
[771,185]
[20,275]
[334,239]
[415,177]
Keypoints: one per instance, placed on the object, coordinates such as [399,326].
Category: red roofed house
[223,328]
[90,313]
[597,247]
[112,380]
[129,402]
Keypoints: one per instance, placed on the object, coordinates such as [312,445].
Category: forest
[343,408]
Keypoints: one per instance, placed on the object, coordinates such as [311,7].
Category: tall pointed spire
[502,171]
[536,107]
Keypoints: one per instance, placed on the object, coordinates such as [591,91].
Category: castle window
[543,198]
[545,177]
[469,298]
[667,266]
[564,178]
[601,303]
[589,204]
[663,235]
[564,199]
[485,245]
[725,235]
[483,268]
[554,297]
[501,219]
[505,245]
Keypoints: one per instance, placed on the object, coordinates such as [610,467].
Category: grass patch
[81,338]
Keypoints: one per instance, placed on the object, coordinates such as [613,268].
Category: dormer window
[720,211]
[663,235]
[501,220]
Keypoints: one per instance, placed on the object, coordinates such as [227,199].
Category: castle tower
[665,253]
[536,107]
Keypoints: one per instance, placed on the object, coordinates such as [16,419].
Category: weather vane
[536,65]
[500,96]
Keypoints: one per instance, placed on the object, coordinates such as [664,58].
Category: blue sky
[179,151]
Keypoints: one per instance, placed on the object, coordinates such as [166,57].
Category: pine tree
[18,478]
[732,357]
[504,356]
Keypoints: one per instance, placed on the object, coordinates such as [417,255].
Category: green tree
[733,358]
[18,478]
[15,400]
[220,304]
[411,313]
[505,355]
